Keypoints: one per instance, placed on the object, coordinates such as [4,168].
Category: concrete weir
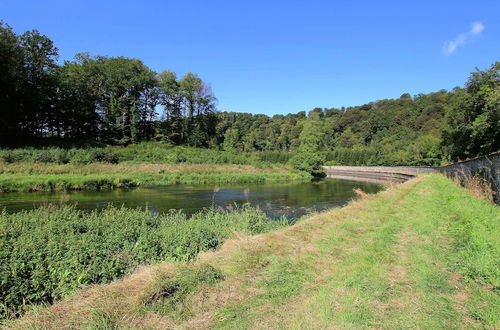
[375,174]
[486,166]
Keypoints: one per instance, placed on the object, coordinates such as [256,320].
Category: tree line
[113,100]
[424,129]
[120,101]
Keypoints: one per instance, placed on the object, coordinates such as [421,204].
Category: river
[292,200]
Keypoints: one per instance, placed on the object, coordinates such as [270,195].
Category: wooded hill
[120,101]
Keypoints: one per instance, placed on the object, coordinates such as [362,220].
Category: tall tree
[80,86]
[199,106]
[171,99]
[474,120]
[127,98]
[39,85]
[309,156]
[11,67]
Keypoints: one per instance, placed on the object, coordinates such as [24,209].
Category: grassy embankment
[423,254]
[144,164]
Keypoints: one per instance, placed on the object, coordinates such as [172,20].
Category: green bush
[147,152]
[49,252]
[310,162]
[17,155]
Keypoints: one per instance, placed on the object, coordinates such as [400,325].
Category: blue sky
[276,57]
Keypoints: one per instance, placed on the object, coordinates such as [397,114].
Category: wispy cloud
[450,46]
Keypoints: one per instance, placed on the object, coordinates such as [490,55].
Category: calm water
[290,199]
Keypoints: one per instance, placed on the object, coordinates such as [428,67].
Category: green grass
[56,169]
[43,177]
[423,254]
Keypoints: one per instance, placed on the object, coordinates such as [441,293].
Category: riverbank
[52,251]
[422,254]
[96,176]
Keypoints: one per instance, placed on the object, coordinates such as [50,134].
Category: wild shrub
[308,162]
[150,152]
[17,155]
[52,251]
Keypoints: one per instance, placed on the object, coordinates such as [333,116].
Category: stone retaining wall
[487,166]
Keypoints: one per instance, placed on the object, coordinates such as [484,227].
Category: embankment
[423,254]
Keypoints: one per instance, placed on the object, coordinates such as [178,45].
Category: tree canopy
[119,101]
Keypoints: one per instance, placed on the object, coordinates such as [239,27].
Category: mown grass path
[423,254]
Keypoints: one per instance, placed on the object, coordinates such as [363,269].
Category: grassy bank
[423,254]
[49,252]
[54,177]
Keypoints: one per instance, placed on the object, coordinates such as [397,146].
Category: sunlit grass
[53,177]
[423,254]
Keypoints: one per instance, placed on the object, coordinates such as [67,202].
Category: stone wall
[487,166]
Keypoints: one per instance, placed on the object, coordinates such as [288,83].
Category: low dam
[487,166]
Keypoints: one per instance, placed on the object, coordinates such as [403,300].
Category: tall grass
[49,252]
[52,169]
[82,180]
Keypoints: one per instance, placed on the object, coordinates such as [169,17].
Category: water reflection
[276,199]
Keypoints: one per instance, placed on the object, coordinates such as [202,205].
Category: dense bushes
[149,152]
[60,156]
[49,252]
[309,162]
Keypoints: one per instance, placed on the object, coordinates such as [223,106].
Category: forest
[97,101]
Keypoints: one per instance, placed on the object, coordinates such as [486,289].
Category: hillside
[422,254]
[47,103]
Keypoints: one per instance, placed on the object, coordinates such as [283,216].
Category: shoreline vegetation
[56,169]
[40,177]
[52,251]
[420,254]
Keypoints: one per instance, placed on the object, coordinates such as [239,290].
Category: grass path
[401,259]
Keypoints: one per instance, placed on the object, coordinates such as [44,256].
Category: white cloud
[450,46]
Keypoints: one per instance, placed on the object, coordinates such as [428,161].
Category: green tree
[11,76]
[80,85]
[127,99]
[474,120]
[199,107]
[232,141]
[171,99]
[39,86]
[309,157]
